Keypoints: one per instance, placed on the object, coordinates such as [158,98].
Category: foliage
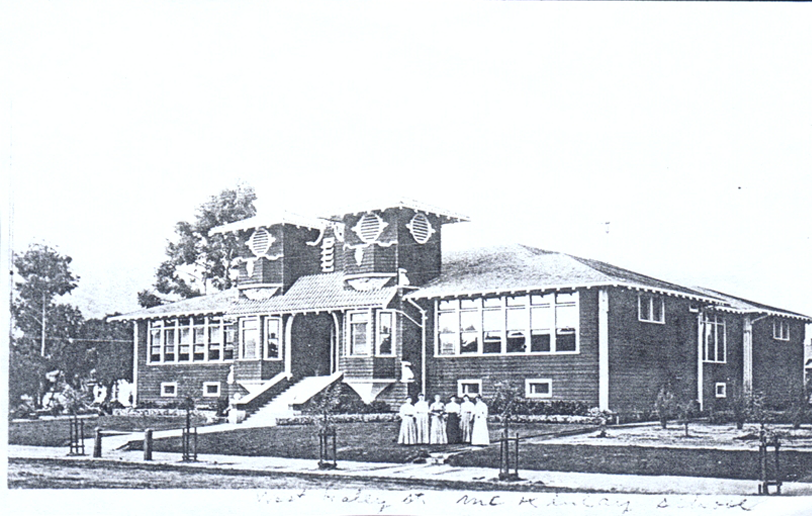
[43,327]
[506,398]
[111,351]
[75,401]
[524,407]
[799,406]
[348,402]
[197,260]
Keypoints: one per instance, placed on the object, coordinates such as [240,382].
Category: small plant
[739,406]
[799,408]
[665,405]
[686,409]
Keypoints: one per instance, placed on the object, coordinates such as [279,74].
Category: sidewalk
[434,474]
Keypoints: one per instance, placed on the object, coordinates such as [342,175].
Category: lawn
[718,451]
[56,432]
[373,442]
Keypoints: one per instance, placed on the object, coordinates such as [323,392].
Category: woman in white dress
[466,418]
[421,409]
[479,434]
[408,428]
[437,431]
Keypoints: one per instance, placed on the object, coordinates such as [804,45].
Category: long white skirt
[479,435]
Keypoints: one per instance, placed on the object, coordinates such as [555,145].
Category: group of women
[439,423]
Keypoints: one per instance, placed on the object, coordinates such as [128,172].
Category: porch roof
[739,305]
[517,268]
[216,303]
[316,293]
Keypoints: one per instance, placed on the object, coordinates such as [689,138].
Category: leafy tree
[197,260]
[111,351]
[45,330]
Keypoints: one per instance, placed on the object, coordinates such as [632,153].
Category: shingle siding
[643,356]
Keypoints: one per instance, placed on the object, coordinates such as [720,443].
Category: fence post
[97,443]
[148,444]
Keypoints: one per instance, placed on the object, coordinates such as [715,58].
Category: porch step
[282,405]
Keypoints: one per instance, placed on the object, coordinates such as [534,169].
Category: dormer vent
[260,242]
[420,228]
[369,227]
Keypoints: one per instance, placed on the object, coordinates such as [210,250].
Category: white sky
[687,127]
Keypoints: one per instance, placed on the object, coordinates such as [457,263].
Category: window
[211,389]
[781,330]
[199,339]
[470,387]
[169,389]
[215,339]
[273,338]
[538,388]
[715,339]
[359,328]
[249,338]
[230,334]
[384,331]
[721,390]
[155,341]
[169,342]
[508,325]
[650,308]
[185,345]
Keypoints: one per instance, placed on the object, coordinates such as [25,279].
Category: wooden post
[148,444]
[97,444]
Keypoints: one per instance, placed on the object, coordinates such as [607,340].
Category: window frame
[241,336]
[469,381]
[530,381]
[379,336]
[718,321]
[266,338]
[201,329]
[450,341]
[206,393]
[717,393]
[174,386]
[351,346]
[779,325]
[649,317]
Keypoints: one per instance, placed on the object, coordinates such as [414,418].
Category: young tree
[197,260]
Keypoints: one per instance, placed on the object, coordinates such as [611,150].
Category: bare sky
[670,139]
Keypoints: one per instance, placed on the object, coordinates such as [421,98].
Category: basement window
[538,388]
[211,389]
[471,388]
[169,389]
[721,390]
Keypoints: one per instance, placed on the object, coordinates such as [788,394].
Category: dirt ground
[700,435]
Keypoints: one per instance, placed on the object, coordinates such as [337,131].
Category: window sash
[273,340]
[359,334]
[508,325]
[651,308]
[385,342]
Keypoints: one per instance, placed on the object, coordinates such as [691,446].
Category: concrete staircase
[282,405]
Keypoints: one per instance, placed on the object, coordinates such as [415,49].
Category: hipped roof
[516,268]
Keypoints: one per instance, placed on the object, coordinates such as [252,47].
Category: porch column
[135,360]
[603,349]
[289,345]
[334,344]
[747,357]
[700,378]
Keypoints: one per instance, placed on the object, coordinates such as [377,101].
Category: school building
[369,299]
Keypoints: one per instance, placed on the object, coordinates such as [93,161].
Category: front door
[311,345]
